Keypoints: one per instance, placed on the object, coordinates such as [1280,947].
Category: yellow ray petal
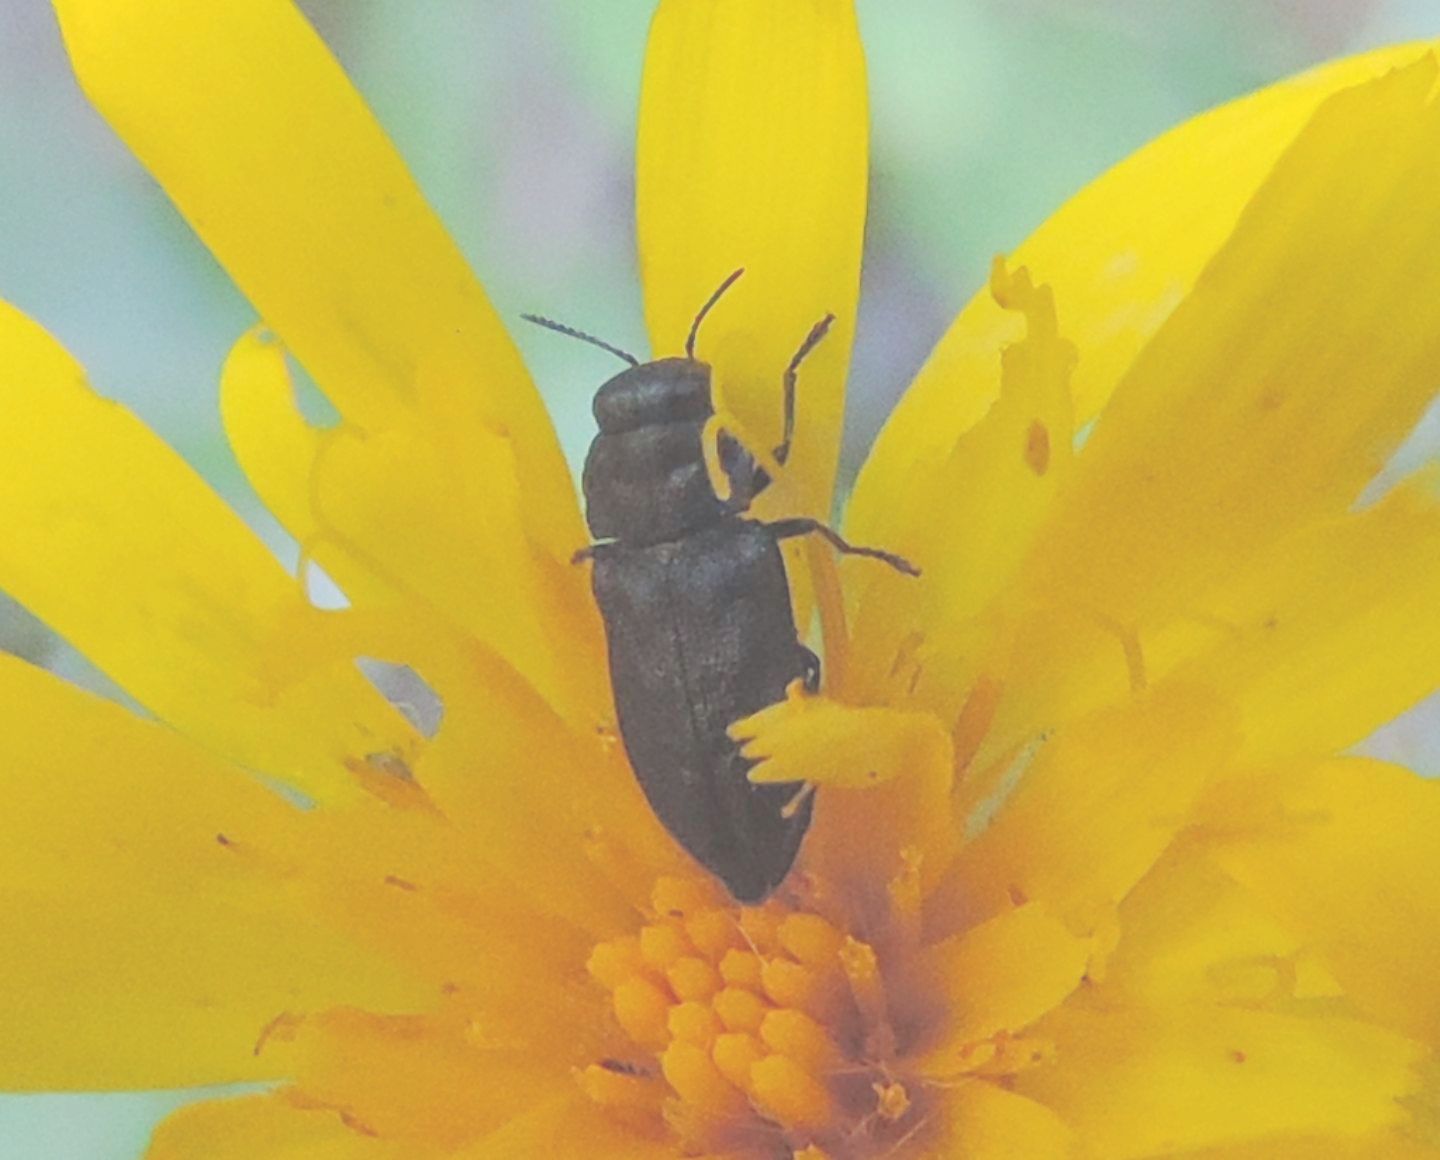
[381,512]
[160,931]
[1001,976]
[984,1121]
[420,1079]
[1285,380]
[1343,854]
[569,1126]
[1372,1146]
[421,888]
[752,152]
[116,543]
[273,442]
[1121,255]
[885,777]
[1160,1082]
[546,804]
[1191,933]
[1265,403]
[968,519]
[268,1127]
[1096,806]
[814,738]
[1315,644]
[247,121]
[1333,632]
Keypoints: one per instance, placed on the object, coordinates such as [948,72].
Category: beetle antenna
[704,310]
[817,332]
[571,332]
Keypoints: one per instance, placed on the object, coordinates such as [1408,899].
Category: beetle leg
[735,476]
[589,551]
[803,526]
[817,332]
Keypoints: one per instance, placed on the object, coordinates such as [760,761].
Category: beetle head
[645,479]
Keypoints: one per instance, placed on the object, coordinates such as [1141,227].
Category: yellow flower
[1086,877]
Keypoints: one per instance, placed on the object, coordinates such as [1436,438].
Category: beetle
[696,606]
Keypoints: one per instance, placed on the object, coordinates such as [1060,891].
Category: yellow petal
[1001,976]
[420,888]
[268,1127]
[1372,1146]
[1191,933]
[984,1121]
[388,519]
[1333,632]
[1315,644]
[1120,255]
[418,1079]
[274,444]
[116,543]
[546,804]
[752,153]
[1161,1082]
[1093,810]
[154,929]
[569,1126]
[247,121]
[1284,381]
[1264,404]
[818,739]
[1343,854]
[885,776]
[967,520]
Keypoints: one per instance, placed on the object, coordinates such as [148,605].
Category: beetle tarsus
[803,526]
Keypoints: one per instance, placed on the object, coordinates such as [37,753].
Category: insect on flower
[1092,869]
[696,604]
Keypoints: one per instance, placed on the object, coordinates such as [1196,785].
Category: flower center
[763,1030]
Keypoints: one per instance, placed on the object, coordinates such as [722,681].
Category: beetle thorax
[645,479]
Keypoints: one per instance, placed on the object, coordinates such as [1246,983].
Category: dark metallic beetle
[696,608]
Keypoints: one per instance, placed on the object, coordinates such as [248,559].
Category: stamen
[892,1101]
[741,968]
[793,1033]
[740,1009]
[791,1095]
[663,945]
[811,940]
[761,927]
[695,1022]
[713,933]
[762,1031]
[735,1053]
[791,984]
[693,978]
[642,1009]
[862,972]
[691,1072]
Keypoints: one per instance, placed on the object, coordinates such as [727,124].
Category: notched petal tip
[819,740]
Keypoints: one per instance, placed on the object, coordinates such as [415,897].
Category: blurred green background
[518,120]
